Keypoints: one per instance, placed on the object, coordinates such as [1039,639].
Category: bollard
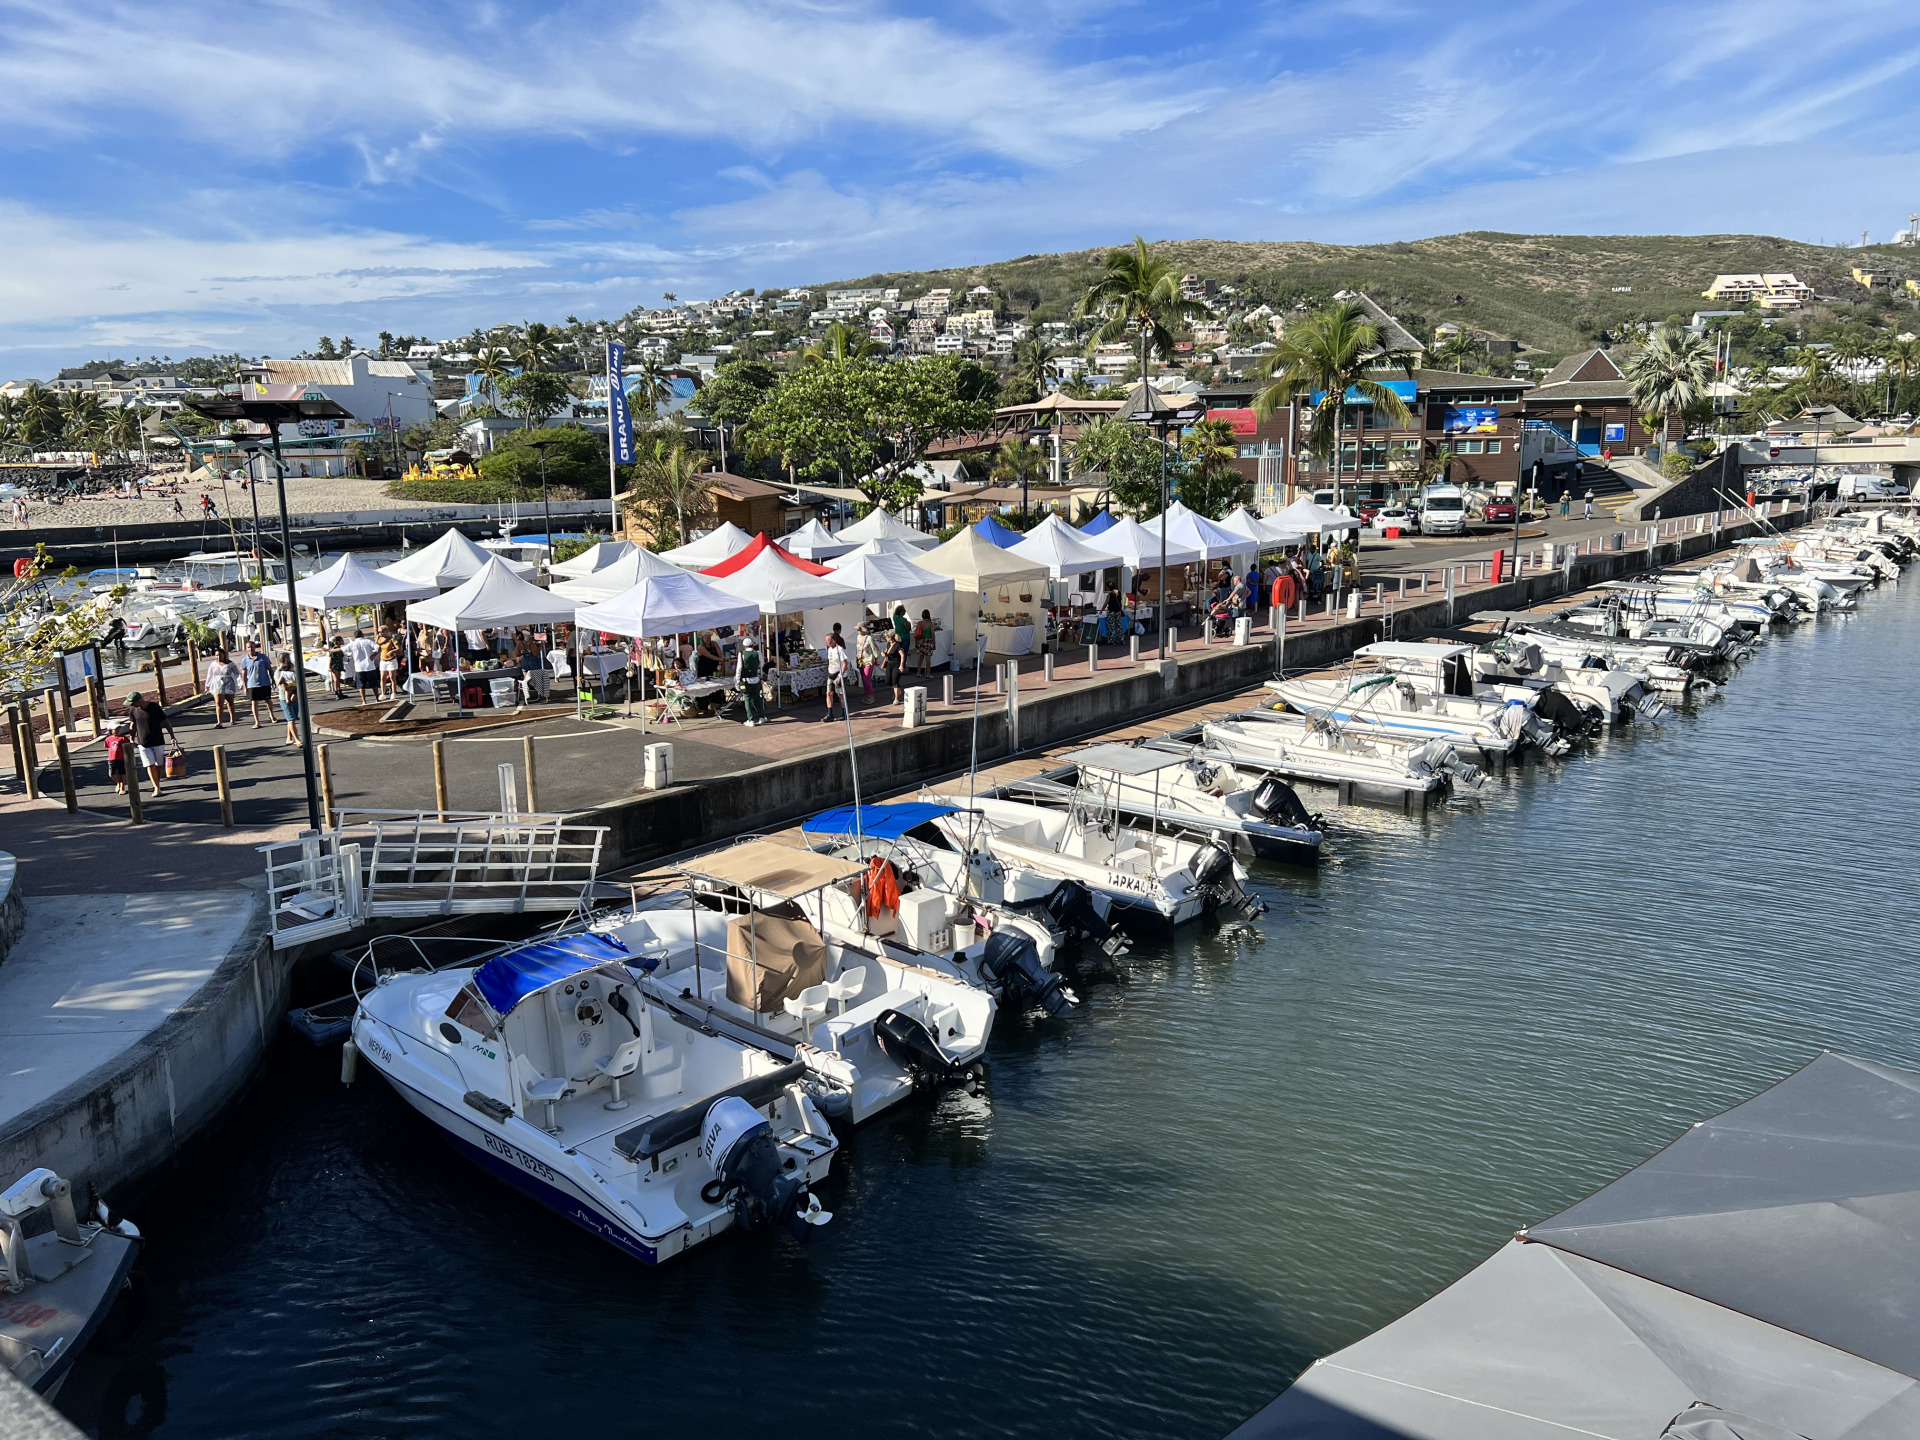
[66,773]
[66,707]
[1353,604]
[1403,589]
[1243,631]
[223,785]
[1000,679]
[30,748]
[1013,705]
[1173,639]
[53,713]
[193,667]
[913,713]
[94,705]
[533,783]
[1133,647]
[160,677]
[326,786]
[1303,608]
[13,737]
[440,777]
[656,766]
[133,788]
[1423,582]
[946,688]
[1379,595]
[1046,664]
[1330,603]
[1093,657]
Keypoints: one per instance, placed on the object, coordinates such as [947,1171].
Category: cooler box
[923,921]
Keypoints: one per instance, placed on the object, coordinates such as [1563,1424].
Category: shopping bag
[176,764]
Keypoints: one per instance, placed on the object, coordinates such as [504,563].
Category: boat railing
[313,888]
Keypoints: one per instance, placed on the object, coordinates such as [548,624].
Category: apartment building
[1773,289]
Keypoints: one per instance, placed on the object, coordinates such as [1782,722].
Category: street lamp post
[540,447]
[299,660]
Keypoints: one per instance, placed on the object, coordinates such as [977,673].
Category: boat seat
[624,1060]
[810,1001]
[548,1092]
[676,1127]
[829,1034]
[851,980]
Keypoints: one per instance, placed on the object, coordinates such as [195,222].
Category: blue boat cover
[1099,524]
[998,533]
[506,980]
[877,822]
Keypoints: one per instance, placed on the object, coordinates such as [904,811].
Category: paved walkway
[93,974]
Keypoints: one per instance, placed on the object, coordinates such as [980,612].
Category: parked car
[1499,510]
[1443,510]
[1395,517]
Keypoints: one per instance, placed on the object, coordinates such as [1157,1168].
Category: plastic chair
[810,1001]
[847,984]
[623,1061]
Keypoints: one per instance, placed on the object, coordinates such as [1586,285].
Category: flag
[619,423]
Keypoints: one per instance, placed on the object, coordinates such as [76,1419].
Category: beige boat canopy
[779,870]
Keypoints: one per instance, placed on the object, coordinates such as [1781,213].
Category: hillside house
[1773,289]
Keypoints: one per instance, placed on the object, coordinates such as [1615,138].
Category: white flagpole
[613,469]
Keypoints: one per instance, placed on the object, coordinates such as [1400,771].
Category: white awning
[496,596]
[667,604]
[349,581]
[451,560]
[610,580]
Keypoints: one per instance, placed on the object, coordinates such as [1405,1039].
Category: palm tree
[650,388]
[1018,463]
[667,481]
[537,347]
[1902,359]
[1457,351]
[1033,359]
[839,344]
[493,363]
[124,429]
[39,416]
[83,420]
[1137,292]
[1333,355]
[1671,375]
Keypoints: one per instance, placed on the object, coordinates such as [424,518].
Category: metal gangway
[406,864]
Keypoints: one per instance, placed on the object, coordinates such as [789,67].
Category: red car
[1499,510]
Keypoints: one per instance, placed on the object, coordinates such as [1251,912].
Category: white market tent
[1312,519]
[780,588]
[711,548]
[595,557]
[1267,533]
[348,581]
[881,546]
[1006,584]
[496,596]
[1061,548]
[813,541]
[1213,540]
[668,602]
[610,580]
[1138,548]
[879,525]
[887,580]
[451,560]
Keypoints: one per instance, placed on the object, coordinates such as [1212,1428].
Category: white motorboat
[1369,763]
[768,944]
[1170,786]
[1695,602]
[1375,699]
[62,1265]
[549,1065]
[1569,698]
[1154,880]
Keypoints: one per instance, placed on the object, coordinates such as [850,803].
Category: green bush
[1676,464]
[577,459]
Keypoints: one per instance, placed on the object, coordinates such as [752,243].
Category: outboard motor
[1072,909]
[1213,872]
[1567,718]
[1012,962]
[1277,803]
[737,1141]
[911,1046]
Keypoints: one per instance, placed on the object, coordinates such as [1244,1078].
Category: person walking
[151,730]
[288,682]
[179,510]
[923,644]
[336,667]
[365,656]
[390,658]
[256,672]
[223,683]
[747,668]
[837,666]
[893,665]
[1587,514]
[868,654]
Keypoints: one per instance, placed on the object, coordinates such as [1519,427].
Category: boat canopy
[876,822]
[1125,759]
[779,870]
[506,980]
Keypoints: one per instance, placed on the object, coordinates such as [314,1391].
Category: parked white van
[1443,510]
[1868,487]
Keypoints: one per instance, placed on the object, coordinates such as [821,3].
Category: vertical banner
[619,423]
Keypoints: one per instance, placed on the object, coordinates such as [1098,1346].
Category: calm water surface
[1245,1150]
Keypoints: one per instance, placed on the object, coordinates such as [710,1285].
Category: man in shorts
[151,730]
[256,671]
[364,656]
[390,657]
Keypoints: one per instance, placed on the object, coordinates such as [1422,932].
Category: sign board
[316,428]
[1616,434]
[1471,419]
[1243,421]
[79,666]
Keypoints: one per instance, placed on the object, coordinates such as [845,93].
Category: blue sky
[248,176]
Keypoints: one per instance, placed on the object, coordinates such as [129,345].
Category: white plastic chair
[623,1061]
[810,1001]
[847,984]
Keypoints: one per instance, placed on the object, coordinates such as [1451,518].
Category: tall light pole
[540,447]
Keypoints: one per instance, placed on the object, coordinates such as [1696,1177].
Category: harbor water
[1247,1148]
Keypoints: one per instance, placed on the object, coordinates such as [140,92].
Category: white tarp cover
[1763,1262]
[879,525]
[1213,540]
[595,557]
[667,604]
[1255,527]
[451,560]
[988,580]
[779,588]
[494,597]
[711,548]
[891,577]
[882,546]
[1138,548]
[610,580]
[349,581]
[814,541]
[1062,549]
[1312,519]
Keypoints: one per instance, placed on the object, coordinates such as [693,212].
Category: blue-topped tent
[506,980]
[1100,523]
[877,822]
[997,533]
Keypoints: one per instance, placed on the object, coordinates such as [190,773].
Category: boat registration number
[1134,884]
[517,1156]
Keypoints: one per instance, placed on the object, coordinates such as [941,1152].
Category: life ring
[23,567]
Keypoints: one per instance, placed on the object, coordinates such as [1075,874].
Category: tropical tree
[123,430]
[537,346]
[1033,357]
[1129,458]
[1902,359]
[1458,351]
[1670,375]
[1137,294]
[1015,462]
[493,364]
[1336,356]
[83,419]
[40,418]
[838,344]
[536,396]
[648,390]
[1209,483]
[669,492]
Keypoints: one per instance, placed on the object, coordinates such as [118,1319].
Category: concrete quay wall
[128,1117]
[684,817]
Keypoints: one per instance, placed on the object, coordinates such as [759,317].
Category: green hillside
[1549,292]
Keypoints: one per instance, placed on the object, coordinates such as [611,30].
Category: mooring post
[440,777]
[223,785]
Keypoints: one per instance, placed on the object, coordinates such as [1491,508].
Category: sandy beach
[312,495]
